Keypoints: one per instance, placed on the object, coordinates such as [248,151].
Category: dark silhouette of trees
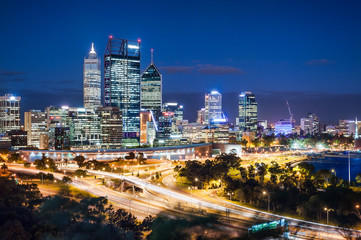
[80,160]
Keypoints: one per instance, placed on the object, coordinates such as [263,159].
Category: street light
[333,171]
[268,200]
[191,190]
[327,211]
[230,196]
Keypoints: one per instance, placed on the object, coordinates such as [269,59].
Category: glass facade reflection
[247,112]
[122,83]
[151,94]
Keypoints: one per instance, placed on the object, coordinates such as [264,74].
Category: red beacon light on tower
[110,36]
[138,40]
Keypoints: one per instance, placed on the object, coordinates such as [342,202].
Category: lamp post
[333,171]
[191,190]
[230,195]
[327,211]
[268,200]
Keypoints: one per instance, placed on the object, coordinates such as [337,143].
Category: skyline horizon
[307,55]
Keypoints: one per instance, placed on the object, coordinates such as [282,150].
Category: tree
[66,179]
[358,178]
[27,164]
[4,167]
[244,143]
[45,163]
[141,159]
[80,173]
[79,160]
[130,156]
[15,157]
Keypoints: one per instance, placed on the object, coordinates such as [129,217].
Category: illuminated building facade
[122,84]
[111,124]
[145,117]
[58,128]
[176,109]
[165,125]
[213,107]
[35,124]
[92,80]
[285,127]
[310,125]
[151,89]
[201,116]
[85,130]
[9,113]
[247,120]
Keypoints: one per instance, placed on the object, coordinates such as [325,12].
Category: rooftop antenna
[92,49]
[151,56]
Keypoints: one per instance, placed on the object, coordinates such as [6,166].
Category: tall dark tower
[122,84]
[151,85]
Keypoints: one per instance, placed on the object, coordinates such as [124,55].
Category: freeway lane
[242,214]
[136,205]
[327,231]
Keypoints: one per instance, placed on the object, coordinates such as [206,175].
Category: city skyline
[298,61]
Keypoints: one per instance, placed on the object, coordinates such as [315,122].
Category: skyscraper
[92,80]
[9,113]
[122,84]
[247,112]
[213,107]
[151,85]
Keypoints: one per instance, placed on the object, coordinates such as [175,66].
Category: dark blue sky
[305,51]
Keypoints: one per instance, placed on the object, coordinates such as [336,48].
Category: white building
[92,80]
[9,113]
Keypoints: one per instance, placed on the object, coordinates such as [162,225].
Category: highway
[159,199]
[326,231]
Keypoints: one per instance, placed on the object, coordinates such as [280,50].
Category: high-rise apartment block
[92,80]
[9,113]
[122,84]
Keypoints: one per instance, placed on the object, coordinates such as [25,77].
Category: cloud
[218,70]
[10,73]
[207,69]
[318,62]
[177,69]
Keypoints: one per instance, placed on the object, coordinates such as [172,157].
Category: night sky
[307,52]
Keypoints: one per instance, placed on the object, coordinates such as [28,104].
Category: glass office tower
[92,80]
[213,107]
[151,94]
[122,84]
[247,112]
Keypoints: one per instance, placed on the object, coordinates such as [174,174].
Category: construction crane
[289,110]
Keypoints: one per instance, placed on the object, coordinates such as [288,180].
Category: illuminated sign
[133,46]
